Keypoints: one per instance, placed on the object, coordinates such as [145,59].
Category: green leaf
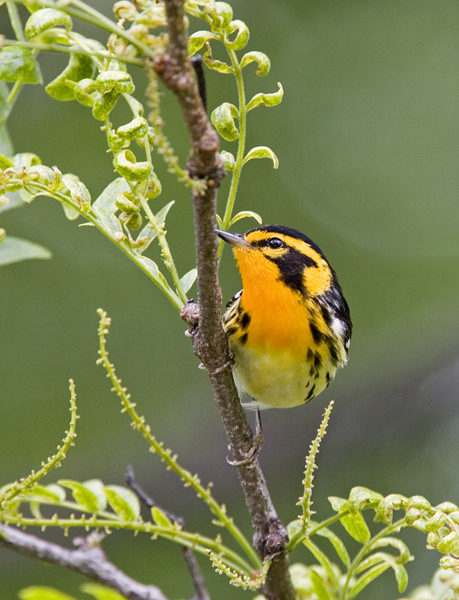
[107,198]
[18,64]
[81,66]
[323,560]
[266,99]
[151,267]
[123,502]
[14,250]
[244,214]
[188,280]
[45,18]
[100,592]
[162,214]
[70,212]
[263,62]
[337,543]
[41,592]
[356,527]
[160,518]
[261,152]
[197,40]
[109,223]
[52,493]
[89,494]
[223,121]
[320,588]
[375,565]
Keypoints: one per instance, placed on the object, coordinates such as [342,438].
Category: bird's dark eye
[275,243]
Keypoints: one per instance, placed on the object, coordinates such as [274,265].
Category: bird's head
[273,254]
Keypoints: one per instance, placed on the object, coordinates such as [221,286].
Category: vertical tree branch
[209,340]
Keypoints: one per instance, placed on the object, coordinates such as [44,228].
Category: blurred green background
[368,142]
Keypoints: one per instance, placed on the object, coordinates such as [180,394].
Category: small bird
[289,328]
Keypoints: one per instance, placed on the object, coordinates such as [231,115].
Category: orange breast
[279,315]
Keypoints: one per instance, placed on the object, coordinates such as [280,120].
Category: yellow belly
[277,379]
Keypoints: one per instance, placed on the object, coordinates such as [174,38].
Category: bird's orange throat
[278,313]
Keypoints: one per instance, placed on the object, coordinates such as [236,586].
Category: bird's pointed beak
[235,239]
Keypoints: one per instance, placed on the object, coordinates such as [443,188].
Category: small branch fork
[87,558]
[205,321]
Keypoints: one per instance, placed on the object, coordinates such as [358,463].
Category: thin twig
[88,559]
[197,578]
[209,340]
[188,554]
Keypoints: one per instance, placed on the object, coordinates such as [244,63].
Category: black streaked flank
[243,338]
[311,393]
[317,335]
[244,320]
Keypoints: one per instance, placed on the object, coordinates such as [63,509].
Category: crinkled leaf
[107,198]
[263,62]
[188,279]
[78,191]
[388,505]
[197,40]
[89,494]
[14,250]
[26,159]
[337,543]
[81,66]
[223,121]
[100,592]
[361,497]
[42,592]
[320,588]
[45,18]
[338,504]
[374,566]
[242,35]
[404,552]
[162,214]
[244,214]
[148,234]
[266,99]
[18,64]
[216,65]
[123,502]
[109,222]
[262,152]
[229,162]
[160,518]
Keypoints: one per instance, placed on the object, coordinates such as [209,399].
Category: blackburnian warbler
[289,328]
